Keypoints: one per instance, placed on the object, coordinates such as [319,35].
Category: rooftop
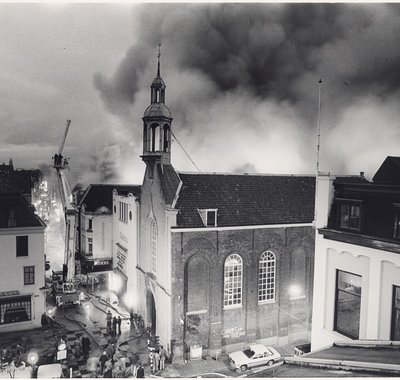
[97,196]
[246,200]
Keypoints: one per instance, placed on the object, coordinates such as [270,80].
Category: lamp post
[32,358]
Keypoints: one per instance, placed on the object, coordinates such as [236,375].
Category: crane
[63,281]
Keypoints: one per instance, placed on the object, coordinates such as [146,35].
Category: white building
[123,280]
[357,258]
[22,264]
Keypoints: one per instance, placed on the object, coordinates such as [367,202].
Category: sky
[242,86]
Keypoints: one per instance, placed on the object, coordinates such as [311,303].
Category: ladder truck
[63,281]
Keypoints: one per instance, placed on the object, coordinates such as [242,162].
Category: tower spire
[158,55]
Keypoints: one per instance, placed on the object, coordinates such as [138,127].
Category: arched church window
[166,138]
[233,280]
[155,137]
[266,276]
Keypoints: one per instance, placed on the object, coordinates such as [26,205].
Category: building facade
[95,225]
[357,262]
[223,260]
[123,279]
[22,264]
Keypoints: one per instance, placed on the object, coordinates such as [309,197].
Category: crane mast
[60,164]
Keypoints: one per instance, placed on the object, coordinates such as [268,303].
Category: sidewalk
[197,367]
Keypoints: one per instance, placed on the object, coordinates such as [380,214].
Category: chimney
[362,174]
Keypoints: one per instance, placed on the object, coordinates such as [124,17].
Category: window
[154,237]
[396,233]
[209,217]
[395,333]
[22,246]
[233,280]
[348,303]
[90,246]
[298,273]
[266,277]
[15,309]
[123,212]
[90,224]
[350,215]
[29,275]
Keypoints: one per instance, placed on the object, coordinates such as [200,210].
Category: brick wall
[198,256]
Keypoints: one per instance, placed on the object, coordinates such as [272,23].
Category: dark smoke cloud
[251,70]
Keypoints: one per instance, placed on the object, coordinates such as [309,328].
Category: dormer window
[209,217]
[349,214]
[396,233]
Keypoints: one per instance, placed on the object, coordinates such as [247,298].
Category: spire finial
[158,55]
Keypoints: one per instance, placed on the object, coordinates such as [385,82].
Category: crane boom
[64,137]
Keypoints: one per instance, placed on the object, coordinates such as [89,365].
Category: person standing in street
[85,346]
[156,361]
[140,372]
[109,319]
[103,359]
[163,357]
[114,325]
[119,321]
[78,348]
[43,321]
[108,371]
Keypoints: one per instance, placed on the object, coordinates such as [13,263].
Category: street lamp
[32,358]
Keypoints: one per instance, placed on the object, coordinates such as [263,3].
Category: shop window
[348,304]
[266,277]
[29,275]
[22,246]
[15,309]
[233,281]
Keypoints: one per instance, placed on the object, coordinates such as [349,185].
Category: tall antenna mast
[319,123]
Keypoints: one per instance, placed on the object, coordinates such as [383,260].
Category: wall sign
[234,332]
[102,262]
[9,293]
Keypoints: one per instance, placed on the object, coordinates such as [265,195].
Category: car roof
[50,370]
[258,348]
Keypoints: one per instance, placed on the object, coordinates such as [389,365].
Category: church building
[224,260]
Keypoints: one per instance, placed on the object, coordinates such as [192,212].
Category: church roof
[156,110]
[246,200]
[170,182]
[101,195]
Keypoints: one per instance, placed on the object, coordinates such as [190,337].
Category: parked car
[253,356]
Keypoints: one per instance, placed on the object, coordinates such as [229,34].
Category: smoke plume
[242,84]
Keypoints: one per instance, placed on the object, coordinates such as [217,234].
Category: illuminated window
[348,304]
[154,237]
[233,278]
[266,277]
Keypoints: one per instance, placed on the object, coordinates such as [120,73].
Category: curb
[345,364]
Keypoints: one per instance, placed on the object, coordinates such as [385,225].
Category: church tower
[157,126]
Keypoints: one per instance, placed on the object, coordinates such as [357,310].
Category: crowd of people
[114,363]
